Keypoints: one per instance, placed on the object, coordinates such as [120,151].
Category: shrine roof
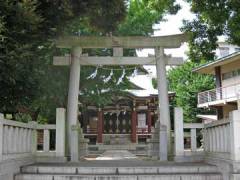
[146,92]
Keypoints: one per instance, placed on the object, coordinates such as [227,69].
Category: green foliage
[19,29]
[187,84]
[29,84]
[202,41]
[28,81]
[142,14]
[23,117]
[213,18]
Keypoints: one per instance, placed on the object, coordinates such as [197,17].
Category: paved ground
[116,155]
[119,158]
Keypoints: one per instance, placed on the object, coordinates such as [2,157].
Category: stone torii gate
[77,59]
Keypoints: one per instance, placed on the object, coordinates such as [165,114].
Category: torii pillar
[72,104]
[163,105]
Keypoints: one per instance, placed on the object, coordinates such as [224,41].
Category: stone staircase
[104,171]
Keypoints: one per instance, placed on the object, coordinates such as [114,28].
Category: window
[231,74]
[227,75]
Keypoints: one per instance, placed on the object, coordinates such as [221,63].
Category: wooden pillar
[218,91]
[149,120]
[100,126]
[134,126]
[218,77]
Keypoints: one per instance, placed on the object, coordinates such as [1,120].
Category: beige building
[226,95]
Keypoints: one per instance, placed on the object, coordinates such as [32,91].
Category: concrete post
[235,134]
[34,137]
[72,106]
[1,137]
[60,131]
[46,140]
[178,132]
[163,102]
[193,139]
[15,140]
[10,140]
[29,139]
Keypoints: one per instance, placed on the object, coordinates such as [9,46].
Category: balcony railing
[222,93]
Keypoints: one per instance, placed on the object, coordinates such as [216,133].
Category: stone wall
[11,167]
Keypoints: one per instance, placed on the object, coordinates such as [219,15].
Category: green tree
[28,82]
[143,14]
[186,84]
[26,28]
[213,18]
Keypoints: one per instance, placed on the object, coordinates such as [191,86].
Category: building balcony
[219,96]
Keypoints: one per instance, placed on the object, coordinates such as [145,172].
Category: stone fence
[18,143]
[19,139]
[220,143]
[181,153]
[217,141]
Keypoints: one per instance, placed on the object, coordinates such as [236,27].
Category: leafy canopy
[28,82]
[213,18]
[186,84]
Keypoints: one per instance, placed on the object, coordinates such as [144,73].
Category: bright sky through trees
[172,25]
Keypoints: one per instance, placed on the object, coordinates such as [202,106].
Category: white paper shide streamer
[135,72]
[109,77]
[122,76]
[93,75]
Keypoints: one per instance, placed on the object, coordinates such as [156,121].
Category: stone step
[163,169]
[119,177]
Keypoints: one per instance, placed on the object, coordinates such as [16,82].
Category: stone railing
[18,140]
[182,154]
[221,139]
[43,134]
[15,139]
[217,142]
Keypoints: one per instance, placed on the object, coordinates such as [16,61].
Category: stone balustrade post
[1,136]
[46,140]
[34,137]
[178,133]
[60,131]
[235,134]
[193,139]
